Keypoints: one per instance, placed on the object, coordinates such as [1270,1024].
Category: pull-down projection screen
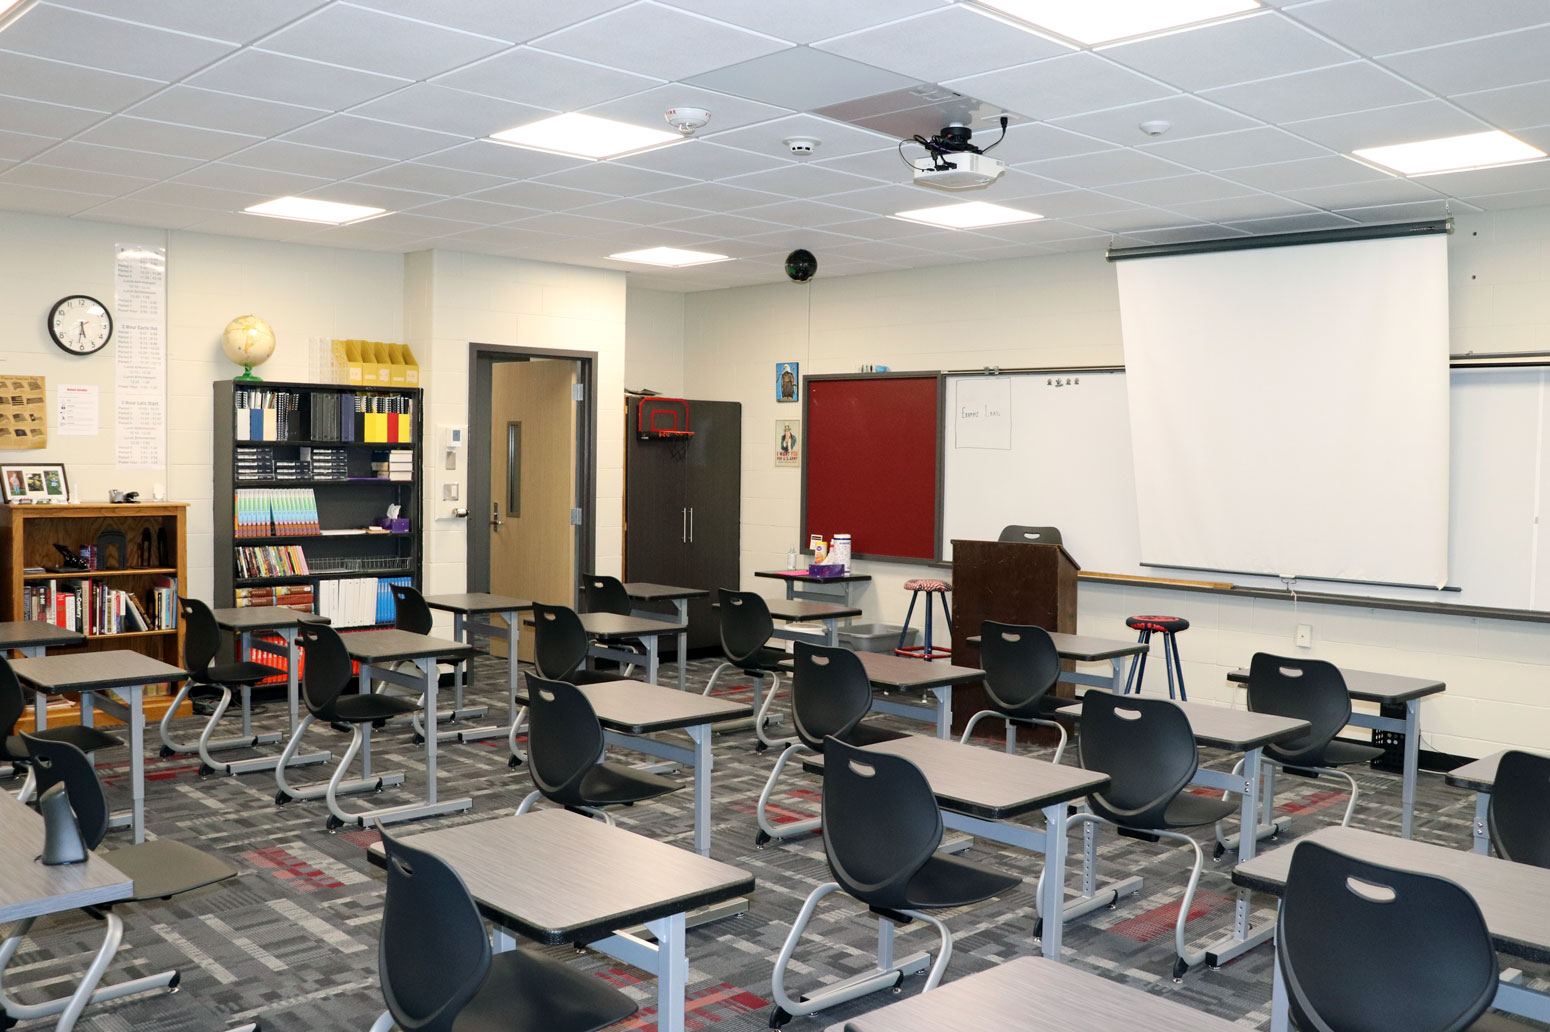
[1289,409]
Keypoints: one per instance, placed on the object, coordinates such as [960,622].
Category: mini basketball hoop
[665,419]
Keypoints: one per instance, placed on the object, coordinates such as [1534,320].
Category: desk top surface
[1479,775]
[803,575]
[94,671]
[981,782]
[645,591]
[1034,994]
[558,877]
[1515,898]
[638,708]
[30,889]
[612,625]
[477,602]
[801,610]
[885,670]
[390,646]
[23,634]
[264,618]
[1086,649]
[1373,687]
[1224,728]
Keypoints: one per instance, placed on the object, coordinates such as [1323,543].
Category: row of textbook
[93,607]
[358,601]
[271,561]
[276,512]
[261,464]
[292,596]
[264,414]
[394,464]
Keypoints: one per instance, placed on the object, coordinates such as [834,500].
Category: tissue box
[825,572]
[396,526]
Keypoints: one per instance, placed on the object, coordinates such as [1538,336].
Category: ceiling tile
[1293,223]
[62,82]
[1141,220]
[1191,234]
[715,197]
[566,223]
[372,196]
[800,78]
[109,44]
[145,213]
[814,240]
[651,39]
[500,238]
[224,176]
[945,43]
[802,21]
[304,160]
[1177,190]
[1323,91]
[1071,203]
[619,180]
[1355,195]
[1387,26]
[884,165]
[1313,172]
[1105,168]
[542,196]
[1036,141]
[208,109]
[1534,175]
[803,181]
[1412,212]
[1233,209]
[355,37]
[802,213]
[52,178]
[467,209]
[291,80]
[1227,52]
[648,108]
[161,138]
[513,22]
[430,179]
[499,159]
[237,23]
[875,227]
[15,197]
[836,139]
[40,119]
[369,136]
[719,225]
[893,197]
[90,157]
[637,212]
[189,196]
[1406,123]
[1480,64]
[428,106]
[1262,146]
[552,82]
[1062,86]
[1190,117]
[256,226]
[419,224]
[1514,107]
[1509,201]
[698,159]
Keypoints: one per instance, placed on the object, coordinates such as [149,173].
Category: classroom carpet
[292,942]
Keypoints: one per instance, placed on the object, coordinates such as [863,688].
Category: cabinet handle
[691,524]
[683,535]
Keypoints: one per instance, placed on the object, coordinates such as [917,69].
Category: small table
[799,612]
[1081,648]
[1513,898]
[1366,686]
[630,710]
[471,614]
[1033,994]
[94,675]
[606,628]
[245,622]
[558,877]
[644,591]
[1479,776]
[981,791]
[799,584]
[890,673]
[33,638]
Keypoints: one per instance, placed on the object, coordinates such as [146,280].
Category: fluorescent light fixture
[9,12]
[585,136]
[669,257]
[309,209]
[968,215]
[1092,22]
[1451,153]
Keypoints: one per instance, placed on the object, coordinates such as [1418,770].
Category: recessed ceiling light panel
[585,136]
[1090,22]
[9,12]
[669,257]
[1451,153]
[968,215]
[310,209]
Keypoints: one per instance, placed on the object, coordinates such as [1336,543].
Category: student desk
[799,584]
[1480,777]
[890,673]
[1220,728]
[644,591]
[798,611]
[1033,994]
[1081,648]
[94,675]
[630,710]
[33,638]
[1365,686]
[1514,898]
[607,629]
[471,614]
[282,622]
[558,877]
[981,791]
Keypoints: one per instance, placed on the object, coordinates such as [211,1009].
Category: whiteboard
[1069,466]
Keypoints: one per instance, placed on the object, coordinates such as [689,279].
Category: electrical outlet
[1304,638]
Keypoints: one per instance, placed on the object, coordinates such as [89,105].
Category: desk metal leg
[1412,761]
[703,762]
[136,695]
[944,710]
[293,691]
[1243,937]
[1052,901]
[653,647]
[672,971]
[831,632]
[681,606]
[1482,832]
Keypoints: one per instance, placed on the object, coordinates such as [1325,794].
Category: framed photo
[788,442]
[34,485]
[788,375]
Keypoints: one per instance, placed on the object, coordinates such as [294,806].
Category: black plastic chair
[1147,749]
[746,628]
[160,869]
[1032,535]
[328,672]
[201,643]
[1021,667]
[601,593]
[438,973]
[410,613]
[1519,815]
[13,705]
[1362,946]
[565,756]
[560,646]
[881,830]
[830,694]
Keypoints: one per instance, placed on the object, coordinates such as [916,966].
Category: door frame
[481,357]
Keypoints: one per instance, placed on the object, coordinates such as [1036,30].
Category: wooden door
[714,498]
[533,483]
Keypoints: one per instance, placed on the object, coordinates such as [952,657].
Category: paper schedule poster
[23,412]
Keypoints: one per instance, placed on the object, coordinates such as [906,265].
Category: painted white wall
[654,341]
[1064,309]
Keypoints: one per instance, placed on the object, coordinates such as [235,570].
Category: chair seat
[1189,810]
[927,584]
[372,706]
[525,990]
[864,734]
[1336,754]
[611,784]
[86,739]
[765,660]
[947,881]
[579,676]
[162,868]
[1167,624]
[235,675]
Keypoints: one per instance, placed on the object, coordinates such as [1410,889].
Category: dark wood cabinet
[683,509]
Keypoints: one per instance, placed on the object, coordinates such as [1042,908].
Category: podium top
[1017,544]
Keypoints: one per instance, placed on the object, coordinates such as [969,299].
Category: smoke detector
[803,146]
[686,119]
[1155,126]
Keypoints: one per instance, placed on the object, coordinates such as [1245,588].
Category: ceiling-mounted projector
[953,162]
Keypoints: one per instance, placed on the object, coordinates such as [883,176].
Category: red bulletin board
[871,463]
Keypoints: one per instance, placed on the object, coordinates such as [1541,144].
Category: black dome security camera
[801,266]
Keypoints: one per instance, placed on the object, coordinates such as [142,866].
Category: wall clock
[80,325]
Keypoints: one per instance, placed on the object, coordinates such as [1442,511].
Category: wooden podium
[1013,582]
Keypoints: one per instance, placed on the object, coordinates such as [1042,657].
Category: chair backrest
[1519,815]
[880,822]
[1363,946]
[60,763]
[1021,665]
[1146,748]
[201,637]
[327,671]
[1032,535]
[830,693]
[13,703]
[1307,689]
[604,594]
[564,739]
[746,623]
[410,613]
[559,641]
[433,953]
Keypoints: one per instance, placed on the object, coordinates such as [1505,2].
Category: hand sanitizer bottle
[793,558]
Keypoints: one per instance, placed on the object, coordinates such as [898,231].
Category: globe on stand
[248,341]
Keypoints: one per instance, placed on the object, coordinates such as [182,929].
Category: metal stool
[930,587]
[1168,626]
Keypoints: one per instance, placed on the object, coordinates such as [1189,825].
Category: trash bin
[873,637]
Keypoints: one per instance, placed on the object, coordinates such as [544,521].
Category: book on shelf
[358,601]
[267,414]
[94,607]
[259,561]
[292,596]
[396,464]
[275,511]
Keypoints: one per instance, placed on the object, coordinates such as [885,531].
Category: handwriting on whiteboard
[982,413]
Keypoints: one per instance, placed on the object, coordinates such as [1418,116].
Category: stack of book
[293,596]
[276,511]
[94,607]
[327,463]
[255,561]
[255,464]
[397,464]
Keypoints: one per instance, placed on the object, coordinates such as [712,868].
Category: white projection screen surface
[1289,409]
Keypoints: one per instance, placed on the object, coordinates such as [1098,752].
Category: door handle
[495,515]
[684,534]
[461,514]
[691,524]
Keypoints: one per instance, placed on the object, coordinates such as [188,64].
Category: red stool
[1168,626]
[930,587]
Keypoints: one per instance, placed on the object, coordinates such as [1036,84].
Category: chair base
[768,829]
[288,792]
[761,705]
[206,742]
[1011,730]
[1270,826]
[89,991]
